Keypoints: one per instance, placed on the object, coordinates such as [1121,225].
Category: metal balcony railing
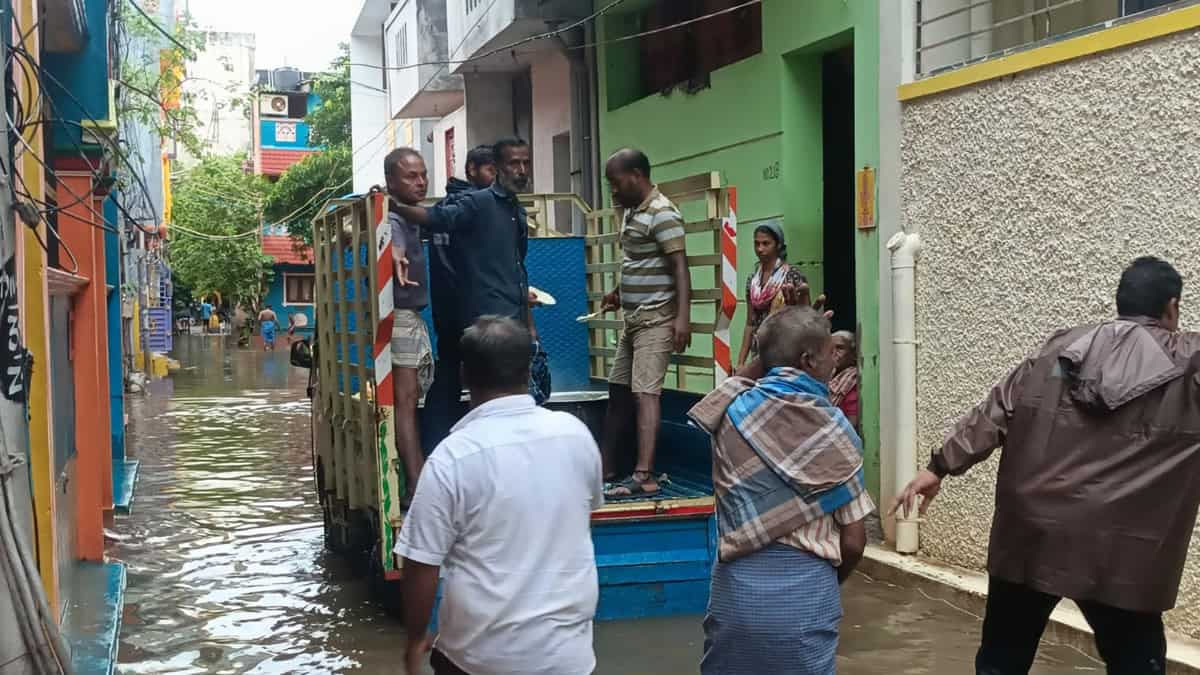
[952,33]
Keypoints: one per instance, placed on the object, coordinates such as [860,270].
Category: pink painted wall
[551,75]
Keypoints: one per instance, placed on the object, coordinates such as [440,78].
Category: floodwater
[228,572]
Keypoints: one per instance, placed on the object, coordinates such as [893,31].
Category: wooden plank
[619,324]
[701,362]
[708,260]
[592,255]
[689,184]
[362,408]
[323,401]
[346,412]
[694,227]
[701,295]
[341,468]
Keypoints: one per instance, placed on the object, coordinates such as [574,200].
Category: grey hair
[850,337]
[495,354]
[789,334]
[393,158]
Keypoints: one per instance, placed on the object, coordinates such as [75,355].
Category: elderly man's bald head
[797,337]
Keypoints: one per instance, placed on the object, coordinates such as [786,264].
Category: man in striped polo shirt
[655,294]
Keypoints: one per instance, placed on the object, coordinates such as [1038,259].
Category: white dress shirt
[504,507]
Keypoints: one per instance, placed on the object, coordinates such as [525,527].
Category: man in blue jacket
[490,231]
[444,400]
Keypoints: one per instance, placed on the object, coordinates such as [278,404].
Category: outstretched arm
[983,429]
[447,216]
[973,440]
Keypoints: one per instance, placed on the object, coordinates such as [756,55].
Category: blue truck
[654,554]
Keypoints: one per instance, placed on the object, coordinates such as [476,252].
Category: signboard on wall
[285,132]
[864,198]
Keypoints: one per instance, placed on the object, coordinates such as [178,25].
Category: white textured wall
[1031,193]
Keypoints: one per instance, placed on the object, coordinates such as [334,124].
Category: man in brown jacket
[1096,491]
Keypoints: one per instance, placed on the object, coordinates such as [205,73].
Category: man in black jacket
[445,397]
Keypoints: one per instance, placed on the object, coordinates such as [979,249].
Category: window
[402,46]
[961,31]
[681,56]
[298,289]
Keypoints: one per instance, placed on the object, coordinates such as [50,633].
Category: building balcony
[415,44]
[478,27]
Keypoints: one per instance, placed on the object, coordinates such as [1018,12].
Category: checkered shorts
[411,347]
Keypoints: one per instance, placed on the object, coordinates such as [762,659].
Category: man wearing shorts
[655,294]
[412,352]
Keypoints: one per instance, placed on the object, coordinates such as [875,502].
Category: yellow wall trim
[1102,40]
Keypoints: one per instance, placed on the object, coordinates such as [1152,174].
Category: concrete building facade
[446,90]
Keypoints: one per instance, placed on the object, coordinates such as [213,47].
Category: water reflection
[227,569]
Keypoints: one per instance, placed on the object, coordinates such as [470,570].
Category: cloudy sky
[300,33]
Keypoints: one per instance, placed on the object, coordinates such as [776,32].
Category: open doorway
[837,112]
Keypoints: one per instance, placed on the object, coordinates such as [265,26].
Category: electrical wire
[33,153]
[114,147]
[176,227]
[663,29]
[186,50]
[312,199]
[555,33]
[506,48]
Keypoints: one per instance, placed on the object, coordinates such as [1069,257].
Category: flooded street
[227,571]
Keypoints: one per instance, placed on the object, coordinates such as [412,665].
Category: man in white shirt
[504,508]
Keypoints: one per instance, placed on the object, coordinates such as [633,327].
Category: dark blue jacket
[490,234]
[444,260]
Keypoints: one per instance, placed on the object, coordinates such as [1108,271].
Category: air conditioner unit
[272,105]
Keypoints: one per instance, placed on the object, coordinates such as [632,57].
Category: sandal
[632,486]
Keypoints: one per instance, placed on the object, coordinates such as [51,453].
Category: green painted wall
[760,125]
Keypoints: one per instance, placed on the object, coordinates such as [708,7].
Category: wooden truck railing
[355,405]
[712,258]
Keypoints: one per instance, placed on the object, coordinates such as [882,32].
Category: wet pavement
[227,571]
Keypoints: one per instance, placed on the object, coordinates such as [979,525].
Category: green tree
[151,78]
[330,123]
[307,185]
[215,242]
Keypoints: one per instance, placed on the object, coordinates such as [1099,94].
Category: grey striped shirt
[651,232]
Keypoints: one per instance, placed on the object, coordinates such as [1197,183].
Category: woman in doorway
[767,289]
[843,387]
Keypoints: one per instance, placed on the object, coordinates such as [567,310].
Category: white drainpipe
[905,248]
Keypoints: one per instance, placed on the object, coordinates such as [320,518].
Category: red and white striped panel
[722,348]
[384,394]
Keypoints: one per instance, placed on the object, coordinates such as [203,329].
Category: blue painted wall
[267,134]
[85,75]
[116,378]
[275,298]
[266,131]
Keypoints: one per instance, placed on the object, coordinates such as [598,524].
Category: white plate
[542,296]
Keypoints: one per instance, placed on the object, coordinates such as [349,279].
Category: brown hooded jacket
[1099,480]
